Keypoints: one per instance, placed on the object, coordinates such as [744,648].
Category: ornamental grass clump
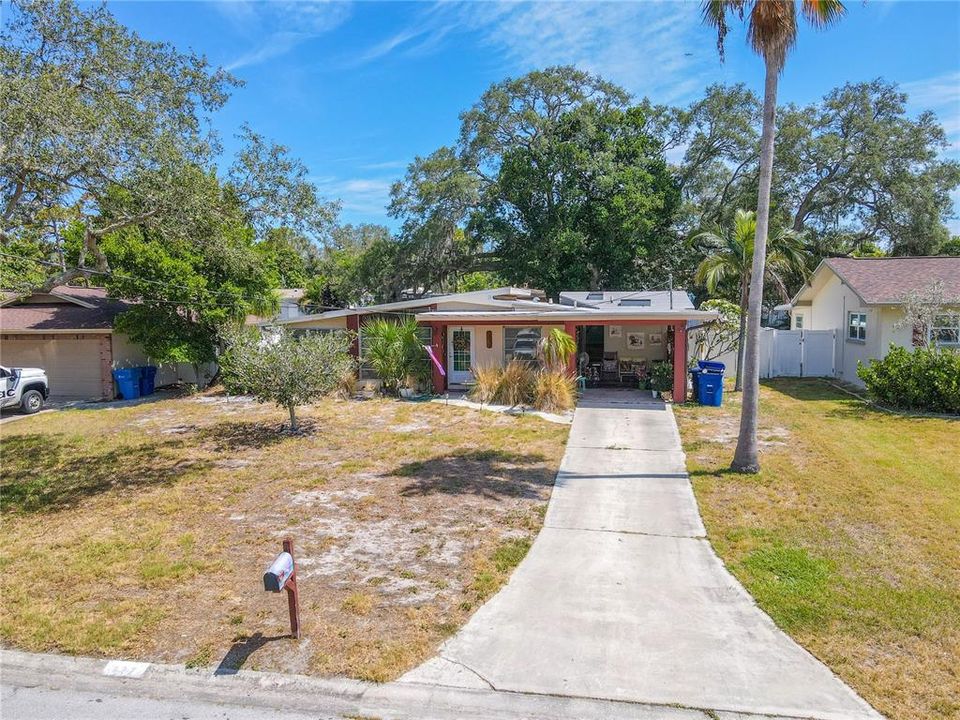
[486,379]
[554,391]
[515,387]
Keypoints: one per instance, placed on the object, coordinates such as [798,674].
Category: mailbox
[276,577]
[282,575]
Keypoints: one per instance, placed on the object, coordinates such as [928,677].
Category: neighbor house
[861,300]
[68,332]
[620,335]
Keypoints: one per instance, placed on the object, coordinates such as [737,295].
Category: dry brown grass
[144,531]
[849,537]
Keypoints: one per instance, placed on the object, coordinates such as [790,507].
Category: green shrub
[923,379]
[393,349]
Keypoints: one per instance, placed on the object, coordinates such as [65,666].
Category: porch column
[680,361]
[439,346]
[570,328]
[353,325]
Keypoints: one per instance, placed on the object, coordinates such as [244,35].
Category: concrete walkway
[622,598]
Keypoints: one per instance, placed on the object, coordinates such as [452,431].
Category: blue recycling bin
[710,383]
[148,379]
[128,382]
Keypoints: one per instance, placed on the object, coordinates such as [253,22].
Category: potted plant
[661,378]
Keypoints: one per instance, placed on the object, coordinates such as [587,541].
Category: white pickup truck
[25,388]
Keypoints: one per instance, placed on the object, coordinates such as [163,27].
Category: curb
[333,697]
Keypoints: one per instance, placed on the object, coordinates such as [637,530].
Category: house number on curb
[282,575]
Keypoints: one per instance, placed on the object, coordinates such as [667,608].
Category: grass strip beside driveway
[849,537]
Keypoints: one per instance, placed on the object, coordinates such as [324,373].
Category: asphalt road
[39,703]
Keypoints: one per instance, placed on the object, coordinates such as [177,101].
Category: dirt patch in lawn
[144,531]
[849,537]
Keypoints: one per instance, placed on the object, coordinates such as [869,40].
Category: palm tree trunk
[746,458]
[738,385]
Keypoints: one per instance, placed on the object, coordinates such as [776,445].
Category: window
[945,330]
[856,326]
[520,343]
[798,322]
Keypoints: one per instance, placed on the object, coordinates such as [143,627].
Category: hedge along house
[620,335]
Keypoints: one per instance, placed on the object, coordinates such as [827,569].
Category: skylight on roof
[595,296]
[635,302]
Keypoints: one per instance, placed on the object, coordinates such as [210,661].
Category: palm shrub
[554,391]
[924,379]
[393,349]
[556,348]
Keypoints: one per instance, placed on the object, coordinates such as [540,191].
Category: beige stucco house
[620,335]
[861,299]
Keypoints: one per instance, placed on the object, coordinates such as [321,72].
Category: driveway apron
[621,596]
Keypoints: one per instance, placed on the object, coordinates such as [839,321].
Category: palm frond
[822,13]
[772,28]
[715,15]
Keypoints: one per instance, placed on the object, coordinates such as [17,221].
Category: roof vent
[635,302]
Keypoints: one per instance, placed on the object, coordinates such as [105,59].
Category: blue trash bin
[148,379]
[710,389]
[710,383]
[128,382]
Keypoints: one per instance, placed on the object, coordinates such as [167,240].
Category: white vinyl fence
[797,353]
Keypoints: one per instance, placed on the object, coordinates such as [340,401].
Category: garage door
[72,362]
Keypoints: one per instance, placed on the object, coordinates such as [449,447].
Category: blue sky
[356,90]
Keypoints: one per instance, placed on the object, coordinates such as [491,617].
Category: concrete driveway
[621,596]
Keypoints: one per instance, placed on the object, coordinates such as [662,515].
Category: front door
[460,352]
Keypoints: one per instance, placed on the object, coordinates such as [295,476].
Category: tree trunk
[738,385]
[746,458]
[292,409]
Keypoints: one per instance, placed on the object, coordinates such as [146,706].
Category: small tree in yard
[721,336]
[924,310]
[285,369]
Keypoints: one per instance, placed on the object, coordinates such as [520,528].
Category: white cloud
[651,48]
[366,195]
[276,28]
[942,95]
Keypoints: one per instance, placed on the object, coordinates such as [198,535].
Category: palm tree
[771,32]
[730,255]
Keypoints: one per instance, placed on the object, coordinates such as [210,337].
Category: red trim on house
[570,328]
[353,325]
[680,362]
[439,345]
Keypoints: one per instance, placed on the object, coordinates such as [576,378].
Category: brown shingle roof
[886,280]
[52,313]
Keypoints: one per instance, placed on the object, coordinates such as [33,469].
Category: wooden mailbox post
[282,575]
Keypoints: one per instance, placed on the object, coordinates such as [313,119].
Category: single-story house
[68,332]
[619,334]
[861,299]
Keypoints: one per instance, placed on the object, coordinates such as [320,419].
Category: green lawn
[849,537]
[144,531]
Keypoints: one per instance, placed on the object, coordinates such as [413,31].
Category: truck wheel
[31,402]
